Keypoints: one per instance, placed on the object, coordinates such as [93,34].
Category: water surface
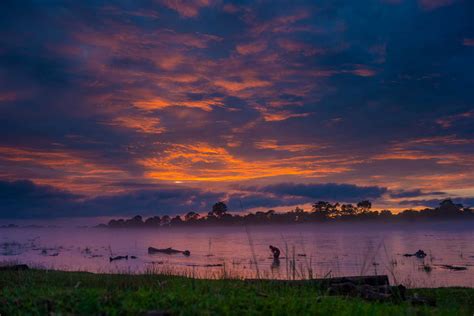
[307,251]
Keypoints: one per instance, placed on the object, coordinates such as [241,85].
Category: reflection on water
[306,251]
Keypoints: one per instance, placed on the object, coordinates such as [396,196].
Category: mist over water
[319,250]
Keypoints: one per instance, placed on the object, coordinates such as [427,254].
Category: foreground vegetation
[36,292]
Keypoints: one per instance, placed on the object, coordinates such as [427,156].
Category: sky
[152,107]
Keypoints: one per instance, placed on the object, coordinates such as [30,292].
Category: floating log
[118,258]
[168,251]
[455,268]
[420,254]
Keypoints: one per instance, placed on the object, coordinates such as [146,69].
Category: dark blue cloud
[413,193]
[465,201]
[245,201]
[325,191]
[25,199]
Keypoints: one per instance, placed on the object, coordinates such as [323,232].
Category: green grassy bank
[36,292]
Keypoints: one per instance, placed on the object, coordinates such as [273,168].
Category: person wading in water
[275,251]
[276,256]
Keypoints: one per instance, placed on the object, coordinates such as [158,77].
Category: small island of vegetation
[321,212]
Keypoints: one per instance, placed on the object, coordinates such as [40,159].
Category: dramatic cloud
[434,4]
[20,199]
[25,199]
[413,193]
[211,94]
[186,8]
[465,201]
[325,191]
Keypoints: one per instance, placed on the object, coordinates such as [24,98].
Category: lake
[318,250]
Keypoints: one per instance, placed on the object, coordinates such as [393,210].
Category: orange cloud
[447,140]
[60,168]
[281,24]
[251,48]
[434,4]
[196,40]
[363,72]
[468,42]
[236,86]
[272,115]
[273,144]
[230,8]
[185,73]
[299,47]
[446,122]
[234,143]
[143,124]
[157,103]
[113,10]
[186,8]
[425,149]
[438,181]
[8,96]
[202,162]
[153,104]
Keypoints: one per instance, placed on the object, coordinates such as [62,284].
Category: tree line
[321,211]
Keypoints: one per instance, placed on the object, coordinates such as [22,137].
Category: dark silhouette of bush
[191,217]
[154,221]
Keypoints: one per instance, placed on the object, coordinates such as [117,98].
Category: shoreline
[399,224]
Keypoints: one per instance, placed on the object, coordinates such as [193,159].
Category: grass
[40,292]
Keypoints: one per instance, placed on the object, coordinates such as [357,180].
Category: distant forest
[321,212]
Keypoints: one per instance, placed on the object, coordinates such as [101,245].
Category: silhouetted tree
[297,214]
[219,209]
[175,221]
[153,221]
[448,206]
[165,220]
[320,207]
[409,214]
[385,213]
[347,210]
[211,218]
[270,214]
[116,223]
[326,209]
[321,211]
[364,206]
[135,221]
[191,216]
